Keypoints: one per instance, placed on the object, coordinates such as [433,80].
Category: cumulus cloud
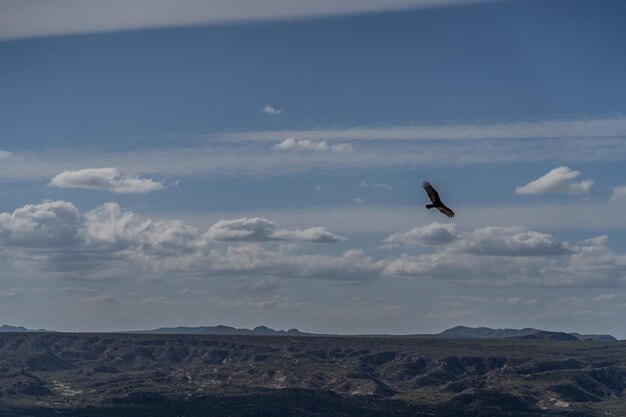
[271,110]
[511,241]
[53,238]
[108,179]
[49,224]
[428,235]
[291,144]
[490,240]
[507,256]
[257,229]
[558,180]
[106,243]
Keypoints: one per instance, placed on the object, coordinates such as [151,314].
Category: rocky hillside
[198,375]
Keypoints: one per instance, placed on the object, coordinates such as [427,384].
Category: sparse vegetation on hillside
[122,374]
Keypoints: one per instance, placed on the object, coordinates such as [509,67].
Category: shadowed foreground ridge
[199,375]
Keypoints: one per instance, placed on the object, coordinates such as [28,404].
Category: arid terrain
[202,375]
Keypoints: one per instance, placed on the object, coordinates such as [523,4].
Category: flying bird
[436,201]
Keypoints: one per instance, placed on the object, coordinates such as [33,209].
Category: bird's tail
[429,206]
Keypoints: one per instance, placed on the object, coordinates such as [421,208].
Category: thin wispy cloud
[555,129]
[559,180]
[36,18]
[107,179]
[301,155]
[102,299]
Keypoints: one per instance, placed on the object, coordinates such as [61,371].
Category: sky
[198,163]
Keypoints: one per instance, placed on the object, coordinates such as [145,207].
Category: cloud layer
[108,179]
[559,180]
[227,154]
[54,239]
[33,18]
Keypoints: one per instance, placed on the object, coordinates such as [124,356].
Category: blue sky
[246,166]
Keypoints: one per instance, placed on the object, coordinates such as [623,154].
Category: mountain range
[458,332]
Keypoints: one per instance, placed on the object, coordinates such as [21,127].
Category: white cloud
[490,240]
[105,243]
[108,226]
[558,180]
[5,154]
[511,241]
[108,179]
[271,110]
[428,235]
[49,224]
[257,229]
[54,240]
[35,18]
[500,256]
[618,193]
[291,144]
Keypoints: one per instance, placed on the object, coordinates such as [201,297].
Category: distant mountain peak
[465,332]
[5,328]
[223,330]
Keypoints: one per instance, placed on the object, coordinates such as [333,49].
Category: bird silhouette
[436,201]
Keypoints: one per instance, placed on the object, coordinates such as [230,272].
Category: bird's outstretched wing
[432,193]
[445,210]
